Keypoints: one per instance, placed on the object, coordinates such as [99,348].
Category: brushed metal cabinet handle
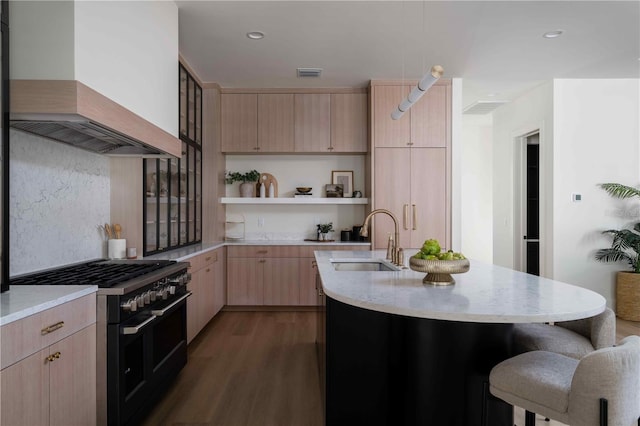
[415,217]
[405,217]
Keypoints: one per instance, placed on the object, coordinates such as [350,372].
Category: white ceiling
[495,46]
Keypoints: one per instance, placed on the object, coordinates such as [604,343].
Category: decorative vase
[323,236]
[247,189]
[628,296]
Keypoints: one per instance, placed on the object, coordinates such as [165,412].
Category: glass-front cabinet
[173,187]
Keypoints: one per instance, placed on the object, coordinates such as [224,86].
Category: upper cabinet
[239,122]
[275,122]
[294,122]
[422,126]
[313,122]
[54,65]
[349,112]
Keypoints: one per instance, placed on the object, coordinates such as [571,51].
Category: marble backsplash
[58,197]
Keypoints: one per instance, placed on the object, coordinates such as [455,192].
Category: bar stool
[602,388]
[571,338]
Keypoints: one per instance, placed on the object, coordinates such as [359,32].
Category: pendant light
[427,81]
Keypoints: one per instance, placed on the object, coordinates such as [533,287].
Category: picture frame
[334,191]
[344,178]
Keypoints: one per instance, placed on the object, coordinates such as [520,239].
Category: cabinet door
[193,306]
[308,291]
[349,122]
[429,201]
[281,285]
[388,132]
[275,123]
[219,281]
[429,118]
[392,192]
[312,122]
[207,302]
[24,387]
[244,281]
[239,122]
[72,378]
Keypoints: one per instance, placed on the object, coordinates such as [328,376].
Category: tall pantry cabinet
[411,163]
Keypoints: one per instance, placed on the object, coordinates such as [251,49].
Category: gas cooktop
[103,273]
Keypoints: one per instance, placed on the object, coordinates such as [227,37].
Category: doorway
[530,203]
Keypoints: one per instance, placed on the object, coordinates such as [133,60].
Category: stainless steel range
[141,332]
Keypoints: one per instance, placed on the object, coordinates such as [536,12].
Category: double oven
[141,330]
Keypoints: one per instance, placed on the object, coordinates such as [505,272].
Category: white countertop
[24,300]
[486,294]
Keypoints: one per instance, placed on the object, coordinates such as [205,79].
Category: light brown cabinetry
[239,122]
[349,112]
[411,183]
[209,290]
[313,122]
[294,122]
[274,275]
[49,374]
[424,125]
[411,165]
[275,123]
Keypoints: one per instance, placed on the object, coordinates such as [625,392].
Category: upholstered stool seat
[571,338]
[574,391]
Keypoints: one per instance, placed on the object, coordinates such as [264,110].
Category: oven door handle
[137,328]
[161,312]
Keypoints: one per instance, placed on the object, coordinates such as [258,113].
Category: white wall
[41,42]
[297,221]
[476,193]
[58,197]
[126,50]
[596,140]
[532,111]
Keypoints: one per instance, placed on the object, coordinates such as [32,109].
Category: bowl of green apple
[438,264]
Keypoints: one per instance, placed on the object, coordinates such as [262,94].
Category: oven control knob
[165,293]
[129,305]
[140,301]
[152,295]
[172,289]
[147,298]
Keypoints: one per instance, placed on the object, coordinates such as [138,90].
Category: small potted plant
[248,179]
[625,247]
[323,230]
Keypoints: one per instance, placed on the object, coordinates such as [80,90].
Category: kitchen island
[396,351]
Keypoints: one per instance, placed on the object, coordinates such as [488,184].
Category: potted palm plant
[625,247]
[248,179]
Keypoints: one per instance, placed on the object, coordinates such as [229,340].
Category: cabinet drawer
[263,251]
[307,251]
[27,336]
[202,260]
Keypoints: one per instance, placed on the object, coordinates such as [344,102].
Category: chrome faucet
[395,249]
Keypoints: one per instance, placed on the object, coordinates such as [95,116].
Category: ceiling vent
[309,72]
[483,107]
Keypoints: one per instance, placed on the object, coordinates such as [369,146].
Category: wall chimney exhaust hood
[70,112]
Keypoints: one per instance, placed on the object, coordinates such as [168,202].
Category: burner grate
[102,273]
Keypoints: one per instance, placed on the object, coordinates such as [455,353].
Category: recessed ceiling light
[255,35]
[552,34]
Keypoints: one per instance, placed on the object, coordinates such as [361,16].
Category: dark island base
[385,369]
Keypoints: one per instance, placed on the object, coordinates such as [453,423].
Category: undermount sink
[368,265]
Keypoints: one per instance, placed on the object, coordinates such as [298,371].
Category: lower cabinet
[274,275]
[55,385]
[209,290]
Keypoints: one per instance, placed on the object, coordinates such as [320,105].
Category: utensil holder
[117,248]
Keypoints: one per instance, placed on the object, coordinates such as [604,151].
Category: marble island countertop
[24,300]
[487,293]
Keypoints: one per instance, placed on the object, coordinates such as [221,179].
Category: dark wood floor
[258,368]
[247,368]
